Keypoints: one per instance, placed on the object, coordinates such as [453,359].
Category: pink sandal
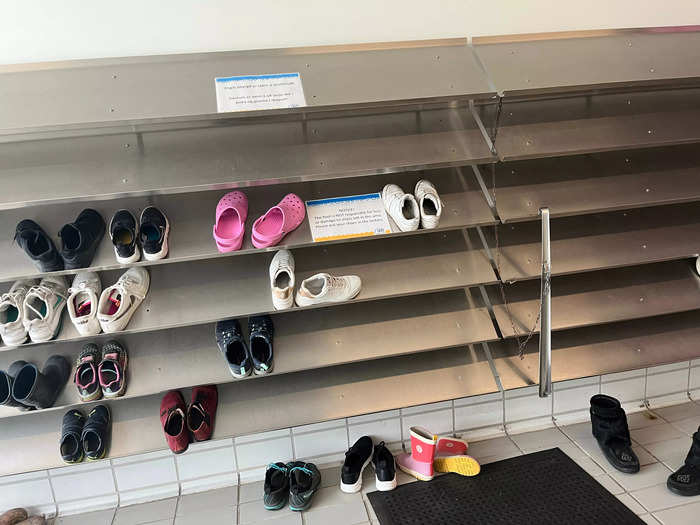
[231,214]
[279,220]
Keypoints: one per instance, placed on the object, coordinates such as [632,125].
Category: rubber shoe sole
[463,465]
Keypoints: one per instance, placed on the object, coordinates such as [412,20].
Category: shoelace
[126,281]
[303,469]
[14,297]
[335,282]
[275,466]
[42,291]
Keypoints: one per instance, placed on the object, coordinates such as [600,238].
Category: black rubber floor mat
[539,488]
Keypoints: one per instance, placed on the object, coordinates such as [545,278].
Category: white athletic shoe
[325,288]
[83,297]
[119,302]
[402,207]
[12,329]
[429,203]
[43,306]
[282,280]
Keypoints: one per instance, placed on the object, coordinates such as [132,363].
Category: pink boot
[419,463]
[451,456]
[448,446]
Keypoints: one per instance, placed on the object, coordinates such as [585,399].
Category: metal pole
[546,310]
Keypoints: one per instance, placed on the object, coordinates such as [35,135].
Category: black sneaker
[153,233]
[71,430]
[96,433]
[384,467]
[81,238]
[38,246]
[276,486]
[261,332]
[304,480]
[230,340]
[356,459]
[123,232]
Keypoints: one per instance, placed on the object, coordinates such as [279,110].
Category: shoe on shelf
[201,413]
[419,463]
[610,429]
[81,238]
[154,230]
[270,229]
[304,481]
[7,379]
[38,246]
[401,207]
[71,430]
[229,226]
[112,369]
[686,480]
[12,329]
[276,487]
[119,302]
[96,433]
[40,389]
[261,333]
[229,339]
[326,288]
[123,230]
[86,378]
[43,308]
[282,280]
[429,204]
[356,460]
[83,297]
[172,419]
[384,468]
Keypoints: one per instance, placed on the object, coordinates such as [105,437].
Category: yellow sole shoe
[463,465]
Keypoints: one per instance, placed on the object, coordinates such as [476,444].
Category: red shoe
[172,419]
[202,411]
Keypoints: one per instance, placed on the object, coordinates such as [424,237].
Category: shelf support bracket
[545,310]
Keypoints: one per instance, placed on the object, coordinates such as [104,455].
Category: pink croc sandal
[231,213]
[279,220]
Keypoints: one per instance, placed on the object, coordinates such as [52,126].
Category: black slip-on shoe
[7,379]
[686,480]
[384,467]
[229,338]
[356,460]
[276,486]
[123,230]
[38,246]
[81,238]
[71,430]
[304,480]
[40,388]
[261,333]
[96,433]
[610,429]
[154,229]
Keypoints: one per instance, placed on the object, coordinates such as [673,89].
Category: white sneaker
[325,288]
[402,207]
[429,203]
[282,280]
[119,302]
[83,297]
[12,329]
[43,306]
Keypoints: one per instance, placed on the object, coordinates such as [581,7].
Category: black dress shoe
[610,429]
[38,246]
[686,480]
[81,238]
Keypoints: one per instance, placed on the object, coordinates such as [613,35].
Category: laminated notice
[253,92]
[347,217]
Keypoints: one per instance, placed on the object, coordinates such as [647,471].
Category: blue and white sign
[347,217]
[251,92]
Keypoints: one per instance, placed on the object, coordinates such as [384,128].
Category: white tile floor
[662,439]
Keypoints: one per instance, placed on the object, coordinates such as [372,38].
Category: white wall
[44,30]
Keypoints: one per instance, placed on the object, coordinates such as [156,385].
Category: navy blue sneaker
[230,340]
[81,238]
[276,486]
[38,246]
[304,481]
[261,332]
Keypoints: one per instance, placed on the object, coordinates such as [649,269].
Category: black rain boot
[610,429]
[6,381]
[40,389]
[686,480]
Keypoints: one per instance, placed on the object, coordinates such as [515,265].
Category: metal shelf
[269,403]
[191,218]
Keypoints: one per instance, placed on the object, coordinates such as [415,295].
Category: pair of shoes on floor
[79,241]
[150,233]
[93,310]
[25,387]
[294,482]
[32,309]
[85,438]
[178,420]
[256,357]
[317,289]
[356,460]
[268,230]
[409,212]
[103,373]
[430,454]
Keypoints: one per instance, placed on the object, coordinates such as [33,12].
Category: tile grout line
[53,493]
[116,488]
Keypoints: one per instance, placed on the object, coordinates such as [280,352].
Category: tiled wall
[161,476]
